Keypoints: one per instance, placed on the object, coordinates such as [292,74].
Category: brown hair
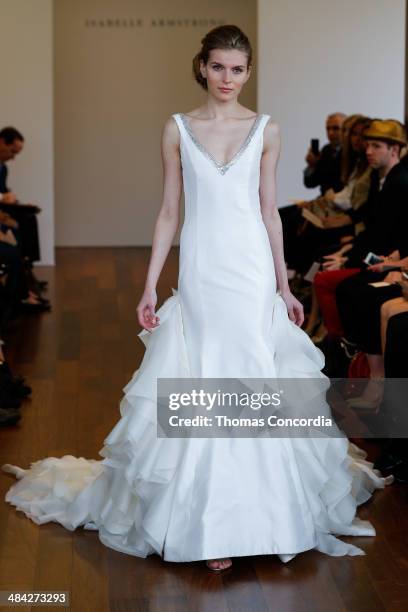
[349,160]
[222,37]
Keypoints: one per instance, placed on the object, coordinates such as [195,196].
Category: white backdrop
[319,56]
[116,83]
[314,57]
[26,102]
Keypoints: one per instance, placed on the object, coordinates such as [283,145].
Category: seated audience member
[355,175]
[11,144]
[394,457]
[359,303]
[385,217]
[391,308]
[324,170]
[335,209]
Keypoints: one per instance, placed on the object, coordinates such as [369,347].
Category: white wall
[319,56]
[116,83]
[26,102]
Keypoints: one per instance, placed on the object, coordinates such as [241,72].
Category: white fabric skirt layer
[196,498]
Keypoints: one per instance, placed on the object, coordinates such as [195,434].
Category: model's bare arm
[166,224]
[272,220]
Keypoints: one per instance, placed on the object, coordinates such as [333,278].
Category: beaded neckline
[222,168]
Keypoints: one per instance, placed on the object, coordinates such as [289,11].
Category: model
[233,315]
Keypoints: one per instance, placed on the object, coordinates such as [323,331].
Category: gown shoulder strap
[264,119]
[178,120]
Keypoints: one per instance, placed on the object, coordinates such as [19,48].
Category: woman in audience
[356,175]
[359,304]
[330,208]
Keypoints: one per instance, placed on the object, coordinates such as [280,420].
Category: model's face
[379,154]
[333,129]
[9,151]
[226,72]
[356,138]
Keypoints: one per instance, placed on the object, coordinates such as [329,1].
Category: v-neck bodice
[209,189]
[222,167]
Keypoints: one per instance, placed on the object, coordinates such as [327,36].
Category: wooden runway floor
[77,359]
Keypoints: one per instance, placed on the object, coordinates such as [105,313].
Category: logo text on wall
[126,23]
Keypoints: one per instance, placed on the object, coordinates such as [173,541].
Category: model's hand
[146,310]
[295,308]
[9,198]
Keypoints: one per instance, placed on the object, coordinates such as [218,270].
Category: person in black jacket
[385,214]
[324,170]
[11,144]
[394,457]
[358,301]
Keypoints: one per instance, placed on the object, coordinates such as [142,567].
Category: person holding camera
[324,167]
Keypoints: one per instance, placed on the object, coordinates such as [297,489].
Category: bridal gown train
[202,498]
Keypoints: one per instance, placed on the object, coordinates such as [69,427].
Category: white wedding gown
[202,498]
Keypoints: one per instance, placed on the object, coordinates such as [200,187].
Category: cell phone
[372,259]
[314,146]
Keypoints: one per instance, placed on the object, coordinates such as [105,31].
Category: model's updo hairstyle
[222,37]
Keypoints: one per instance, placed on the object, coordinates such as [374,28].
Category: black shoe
[19,390]
[9,401]
[387,462]
[9,417]
[44,300]
[12,386]
[22,391]
[401,473]
[5,371]
[26,308]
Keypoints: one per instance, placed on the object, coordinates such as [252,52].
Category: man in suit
[324,170]
[11,144]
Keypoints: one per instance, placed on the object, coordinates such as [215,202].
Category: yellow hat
[386,129]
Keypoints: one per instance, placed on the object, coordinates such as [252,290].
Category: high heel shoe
[218,569]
